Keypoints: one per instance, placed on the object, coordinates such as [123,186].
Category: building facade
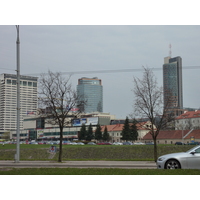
[115,130]
[172,82]
[8,100]
[37,128]
[173,136]
[91,91]
[188,120]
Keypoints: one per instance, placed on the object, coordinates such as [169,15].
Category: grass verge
[95,171]
[98,152]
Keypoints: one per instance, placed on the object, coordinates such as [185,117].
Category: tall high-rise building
[91,90]
[8,100]
[172,82]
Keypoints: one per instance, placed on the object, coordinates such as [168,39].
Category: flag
[71,109]
[30,113]
[74,109]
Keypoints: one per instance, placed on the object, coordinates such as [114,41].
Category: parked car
[139,143]
[149,143]
[80,143]
[66,142]
[33,143]
[193,143]
[73,143]
[183,160]
[91,143]
[104,143]
[179,143]
[107,143]
[100,143]
[127,143]
[40,142]
[117,143]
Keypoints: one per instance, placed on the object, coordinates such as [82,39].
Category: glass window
[8,81]
[197,150]
[24,83]
[14,82]
[29,83]
[40,123]
[34,84]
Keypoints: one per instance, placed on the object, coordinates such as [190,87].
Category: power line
[8,69]
[115,70]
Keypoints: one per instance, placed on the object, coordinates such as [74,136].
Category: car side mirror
[193,152]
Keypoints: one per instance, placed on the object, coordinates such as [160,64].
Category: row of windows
[58,133]
[21,135]
[188,121]
[24,83]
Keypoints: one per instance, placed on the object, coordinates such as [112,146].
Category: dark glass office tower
[172,82]
[91,90]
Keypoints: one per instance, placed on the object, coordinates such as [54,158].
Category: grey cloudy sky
[90,48]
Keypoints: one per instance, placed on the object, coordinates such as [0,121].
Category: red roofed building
[116,129]
[173,136]
[188,120]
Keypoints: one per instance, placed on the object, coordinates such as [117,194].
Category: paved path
[79,164]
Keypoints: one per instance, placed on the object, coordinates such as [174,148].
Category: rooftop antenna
[170,51]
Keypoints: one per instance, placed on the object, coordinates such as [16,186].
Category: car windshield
[192,149]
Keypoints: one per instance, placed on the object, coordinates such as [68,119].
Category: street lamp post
[182,132]
[17,157]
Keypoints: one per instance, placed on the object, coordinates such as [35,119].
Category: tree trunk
[155,150]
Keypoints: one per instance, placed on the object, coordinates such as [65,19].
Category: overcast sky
[92,48]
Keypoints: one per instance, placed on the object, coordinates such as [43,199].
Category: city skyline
[93,49]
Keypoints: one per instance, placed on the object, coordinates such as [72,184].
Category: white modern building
[36,127]
[8,100]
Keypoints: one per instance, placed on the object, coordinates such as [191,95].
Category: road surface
[79,164]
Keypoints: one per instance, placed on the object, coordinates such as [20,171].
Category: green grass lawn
[95,171]
[89,152]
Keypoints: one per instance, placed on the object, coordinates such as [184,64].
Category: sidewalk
[79,164]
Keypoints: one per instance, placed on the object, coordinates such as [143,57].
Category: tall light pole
[182,132]
[17,157]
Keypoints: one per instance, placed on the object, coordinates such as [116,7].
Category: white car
[139,143]
[80,143]
[117,143]
[73,143]
[183,160]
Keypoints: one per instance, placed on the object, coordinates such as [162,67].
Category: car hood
[174,155]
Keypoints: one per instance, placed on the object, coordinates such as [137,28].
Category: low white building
[36,128]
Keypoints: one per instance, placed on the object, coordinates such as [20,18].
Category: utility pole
[17,155]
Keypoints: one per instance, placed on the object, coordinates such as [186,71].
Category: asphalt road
[79,164]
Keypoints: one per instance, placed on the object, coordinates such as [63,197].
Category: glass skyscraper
[91,90]
[172,82]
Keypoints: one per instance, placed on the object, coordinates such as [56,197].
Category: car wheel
[172,164]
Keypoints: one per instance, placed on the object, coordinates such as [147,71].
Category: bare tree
[148,103]
[56,100]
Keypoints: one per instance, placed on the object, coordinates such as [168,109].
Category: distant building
[115,130]
[173,136]
[91,90]
[8,100]
[188,120]
[36,127]
[172,83]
